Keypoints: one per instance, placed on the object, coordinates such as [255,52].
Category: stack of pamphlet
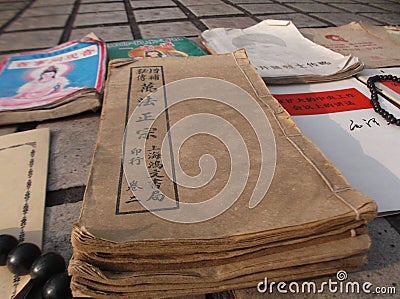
[52,83]
[202,182]
[374,45]
[281,54]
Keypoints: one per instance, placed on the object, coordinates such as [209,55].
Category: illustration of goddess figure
[44,86]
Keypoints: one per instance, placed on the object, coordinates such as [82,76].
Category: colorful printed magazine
[178,46]
[56,82]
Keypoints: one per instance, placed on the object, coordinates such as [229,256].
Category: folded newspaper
[281,54]
[61,81]
[202,182]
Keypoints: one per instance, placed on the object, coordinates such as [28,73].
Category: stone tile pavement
[39,24]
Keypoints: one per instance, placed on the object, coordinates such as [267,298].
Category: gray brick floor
[168,29]
[38,24]
[72,144]
[97,7]
[214,10]
[229,22]
[108,34]
[48,10]
[159,14]
[23,24]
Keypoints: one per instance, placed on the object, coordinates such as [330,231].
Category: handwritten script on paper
[339,118]
[24,160]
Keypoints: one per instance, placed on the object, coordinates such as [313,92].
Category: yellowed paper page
[24,161]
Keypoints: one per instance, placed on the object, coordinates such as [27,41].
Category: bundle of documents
[202,182]
[281,54]
[57,82]
[376,46]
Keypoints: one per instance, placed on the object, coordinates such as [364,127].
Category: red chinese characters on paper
[323,102]
[395,86]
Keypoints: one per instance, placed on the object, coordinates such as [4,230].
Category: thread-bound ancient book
[202,182]
[57,82]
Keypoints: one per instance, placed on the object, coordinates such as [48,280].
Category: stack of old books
[201,182]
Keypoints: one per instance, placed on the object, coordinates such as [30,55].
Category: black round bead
[7,243]
[35,292]
[46,266]
[57,287]
[21,258]
[390,118]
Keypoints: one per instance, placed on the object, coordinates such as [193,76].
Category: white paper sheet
[359,142]
[278,49]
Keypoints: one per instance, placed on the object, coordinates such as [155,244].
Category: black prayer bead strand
[390,118]
[49,279]
[7,243]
